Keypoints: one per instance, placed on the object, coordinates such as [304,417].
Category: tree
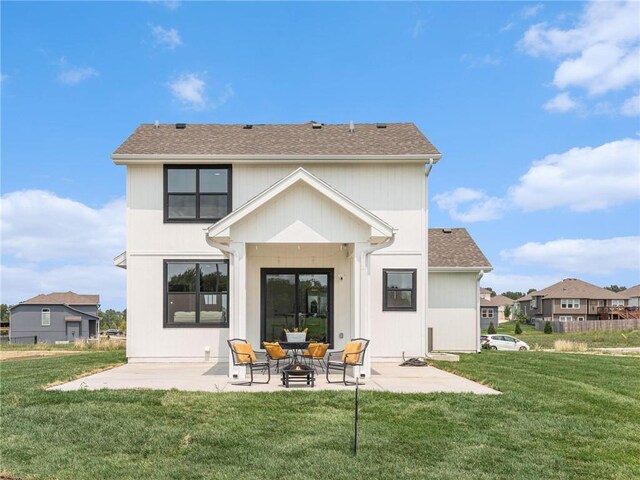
[518,329]
[507,312]
[4,313]
[547,327]
[531,290]
[493,294]
[491,330]
[616,288]
[110,319]
[513,295]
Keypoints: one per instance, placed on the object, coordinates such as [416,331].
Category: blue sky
[535,107]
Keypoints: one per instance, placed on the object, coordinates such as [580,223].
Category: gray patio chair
[351,356]
[243,356]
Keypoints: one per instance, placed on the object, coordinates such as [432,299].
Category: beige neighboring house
[632,296]
[572,300]
[456,265]
[498,301]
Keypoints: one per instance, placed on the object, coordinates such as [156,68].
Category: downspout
[429,166]
[233,255]
[480,275]
[425,260]
[364,280]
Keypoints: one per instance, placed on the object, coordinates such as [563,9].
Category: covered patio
[205,377]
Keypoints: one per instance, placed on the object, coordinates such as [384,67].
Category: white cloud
[507,27]
[475,61]
[561,103]
[468,205]
[631,106]
[579,256]
[531,11]
[169,4]
[226,95]
[418,28]
[189,89]
[50,243]
[583,179]
[169,38]
[601,53]
[72,75]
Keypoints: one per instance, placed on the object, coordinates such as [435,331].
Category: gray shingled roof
[284,139]
[574,288]
[64,298]
[454,247]
[631,292]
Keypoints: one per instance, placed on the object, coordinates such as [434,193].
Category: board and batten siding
[453,311]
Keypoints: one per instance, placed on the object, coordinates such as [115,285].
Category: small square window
[399,290]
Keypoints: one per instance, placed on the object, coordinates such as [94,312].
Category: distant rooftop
[574,288]
[64,298]
[310,138]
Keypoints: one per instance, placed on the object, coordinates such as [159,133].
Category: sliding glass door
[297,298]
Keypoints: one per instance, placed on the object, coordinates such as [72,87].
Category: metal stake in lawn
[355,423]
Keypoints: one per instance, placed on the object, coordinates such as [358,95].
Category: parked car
[114,331]
[502,342]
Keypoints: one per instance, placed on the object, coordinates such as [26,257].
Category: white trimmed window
[617,303]
[486,312]
[46,317]
[570,303]
[565,318]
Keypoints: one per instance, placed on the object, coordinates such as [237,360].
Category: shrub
[518,330]
[547,327]
[491,330]
[507,312]
[569,346]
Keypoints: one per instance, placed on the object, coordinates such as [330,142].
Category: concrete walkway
[205,377]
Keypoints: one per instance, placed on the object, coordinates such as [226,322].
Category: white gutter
[123,159]
[480,275]
[429,166]
[364,286]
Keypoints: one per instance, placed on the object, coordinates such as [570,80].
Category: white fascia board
[459,269]
[133,159]
[220,228]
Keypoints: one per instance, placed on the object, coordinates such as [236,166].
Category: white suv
[503,342]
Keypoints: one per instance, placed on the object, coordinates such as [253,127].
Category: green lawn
[611,338]
[561,416]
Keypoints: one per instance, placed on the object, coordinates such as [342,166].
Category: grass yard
[599,339]
[561,416]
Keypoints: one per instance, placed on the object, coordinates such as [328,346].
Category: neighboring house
[570,300]
[456,265]
[245,230]
[488,313]
[499,301]
[632,296]
[55,317]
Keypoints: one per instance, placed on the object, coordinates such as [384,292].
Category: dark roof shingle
[454,247]
[64,298]
[277,139]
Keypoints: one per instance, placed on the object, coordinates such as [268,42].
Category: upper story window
[570,303]
[617,303]
[399,290]
[196,193]
[46,317]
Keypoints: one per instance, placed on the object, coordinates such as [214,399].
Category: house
[498,301]
[570,300]
[245,230]
[55,317]
[456,265]
[632,296]
[488,313]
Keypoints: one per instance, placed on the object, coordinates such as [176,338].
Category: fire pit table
[298,373]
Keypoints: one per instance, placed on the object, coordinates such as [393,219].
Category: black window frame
[165,289]
[414,303]
[197,193]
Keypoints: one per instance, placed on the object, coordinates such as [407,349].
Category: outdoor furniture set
[299,359]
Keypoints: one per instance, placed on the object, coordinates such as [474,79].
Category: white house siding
[395,193]
[453,311]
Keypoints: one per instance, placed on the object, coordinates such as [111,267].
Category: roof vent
[181,126]
[352,127]
[156,124]
[316,126]
[446,230]
[381,125]
[248,127]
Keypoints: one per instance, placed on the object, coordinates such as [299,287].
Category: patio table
[296,348]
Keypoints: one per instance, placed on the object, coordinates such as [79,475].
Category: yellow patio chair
[316,352]
[276,353]
[243,356]
[351,356]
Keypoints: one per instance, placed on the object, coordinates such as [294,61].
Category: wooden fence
[590,325]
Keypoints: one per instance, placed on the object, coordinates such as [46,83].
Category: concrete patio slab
[205,377]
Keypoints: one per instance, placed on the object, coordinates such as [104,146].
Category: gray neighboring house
[55,317]
[632,295]
[488,313]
